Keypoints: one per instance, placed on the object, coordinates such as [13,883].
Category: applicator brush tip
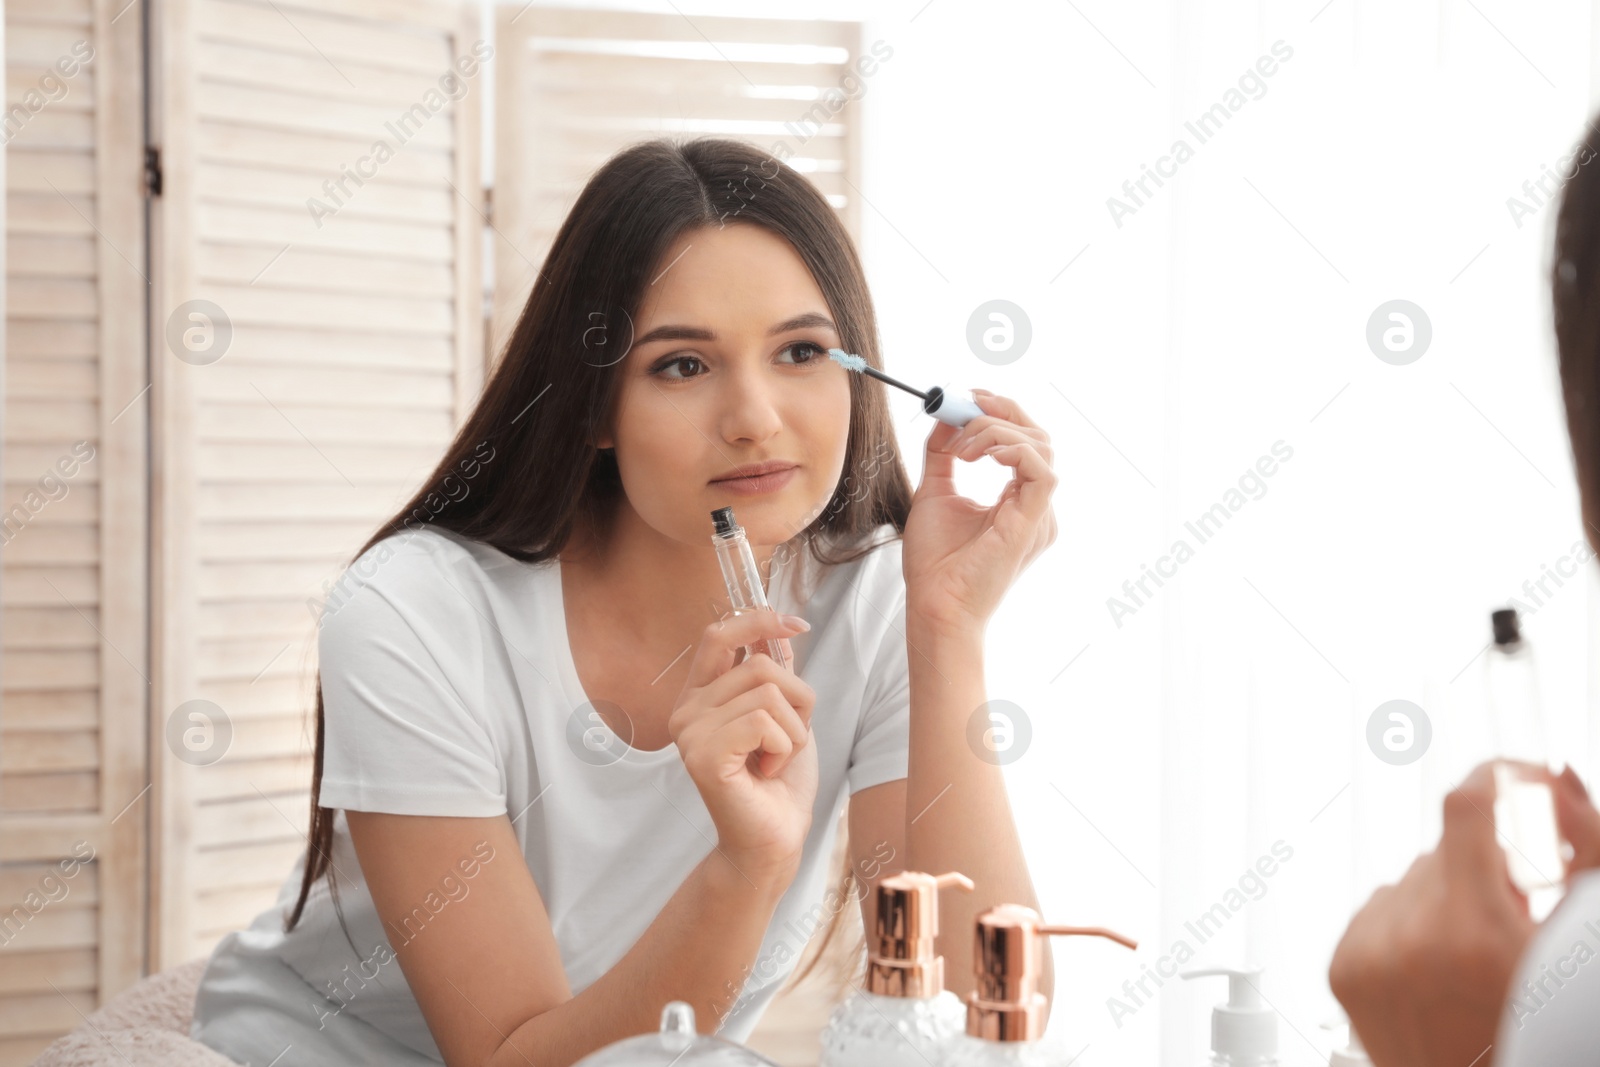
[846,360]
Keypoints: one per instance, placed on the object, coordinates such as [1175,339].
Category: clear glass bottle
[965,1050]
[740,574]
[903,1016]
[1005,1013]
[1524,810]
[676,1044]
[873,1030]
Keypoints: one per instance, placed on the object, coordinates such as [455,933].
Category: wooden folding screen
[73,803]
[576,85]
[317,336]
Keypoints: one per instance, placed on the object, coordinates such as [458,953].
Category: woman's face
[729,367]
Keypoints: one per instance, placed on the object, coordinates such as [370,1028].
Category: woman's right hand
[1579,821]
[744,734]
[1425,966]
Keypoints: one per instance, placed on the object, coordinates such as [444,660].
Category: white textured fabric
[450,689]
[1552,1016]
[145,1025]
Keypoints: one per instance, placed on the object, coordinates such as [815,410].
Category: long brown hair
[1575,296]
[543,480]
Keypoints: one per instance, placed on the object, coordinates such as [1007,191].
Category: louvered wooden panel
[356,347]
[74,668]
[577,85]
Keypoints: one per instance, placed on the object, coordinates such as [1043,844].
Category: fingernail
[982,392]
[796,621]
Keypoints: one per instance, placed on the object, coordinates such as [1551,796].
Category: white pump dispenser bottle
[1353,1054]
[1244,1029]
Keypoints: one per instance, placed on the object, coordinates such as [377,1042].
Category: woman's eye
[812,350]
[673,362]
[805,353]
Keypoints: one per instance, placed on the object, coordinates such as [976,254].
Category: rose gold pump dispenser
[1006,958]
[905,923]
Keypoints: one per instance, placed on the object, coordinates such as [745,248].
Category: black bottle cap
[723,520]
[1507,630]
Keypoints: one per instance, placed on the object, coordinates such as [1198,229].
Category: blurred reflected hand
[1424,968]
[1579,822]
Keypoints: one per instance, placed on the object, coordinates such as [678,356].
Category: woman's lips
[766,483]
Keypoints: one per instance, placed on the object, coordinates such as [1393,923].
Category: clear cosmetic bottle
[1524,809]
[746,593]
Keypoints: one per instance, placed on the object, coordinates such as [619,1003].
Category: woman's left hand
[959,557]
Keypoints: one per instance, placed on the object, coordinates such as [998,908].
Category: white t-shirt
[450,689]
[1552,1014]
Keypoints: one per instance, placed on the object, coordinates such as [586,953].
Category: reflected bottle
[1524,809]
[746,593]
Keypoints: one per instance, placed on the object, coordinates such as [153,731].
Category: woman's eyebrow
[807,321]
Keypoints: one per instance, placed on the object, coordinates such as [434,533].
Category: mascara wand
[948,409]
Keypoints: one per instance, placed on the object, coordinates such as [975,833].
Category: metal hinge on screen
[152,170]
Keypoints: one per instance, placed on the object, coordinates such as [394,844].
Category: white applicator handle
[954,410]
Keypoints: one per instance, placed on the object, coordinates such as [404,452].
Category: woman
[1446,968]
[555,795]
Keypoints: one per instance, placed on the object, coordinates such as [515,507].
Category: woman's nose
[750,407]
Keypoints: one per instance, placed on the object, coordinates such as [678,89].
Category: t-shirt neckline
[572,684]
